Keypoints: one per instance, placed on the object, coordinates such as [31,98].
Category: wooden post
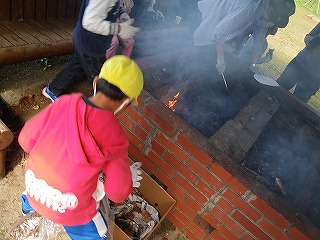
[6,137]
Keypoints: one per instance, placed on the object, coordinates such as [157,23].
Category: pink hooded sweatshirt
[69,144]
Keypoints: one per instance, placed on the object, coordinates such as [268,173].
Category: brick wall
[215,197]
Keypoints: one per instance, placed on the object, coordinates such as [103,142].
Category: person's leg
[289,77]
[91,65]
[128,46]
[72,73]
[112,50]
[307,86]
[96,229]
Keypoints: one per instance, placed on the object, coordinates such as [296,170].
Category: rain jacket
[224,20]
[69,144]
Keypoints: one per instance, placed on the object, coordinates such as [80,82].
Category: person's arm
[314,32]
[95,14]
[32,129]
[118,181]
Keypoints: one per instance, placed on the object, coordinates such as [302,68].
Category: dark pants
[81,66]
[306,84]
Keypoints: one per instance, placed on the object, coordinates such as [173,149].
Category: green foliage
[45,62]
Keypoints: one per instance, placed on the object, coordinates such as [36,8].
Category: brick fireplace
[215,197]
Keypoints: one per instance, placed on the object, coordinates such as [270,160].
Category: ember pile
[136,217]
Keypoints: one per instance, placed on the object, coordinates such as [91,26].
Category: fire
[172,102]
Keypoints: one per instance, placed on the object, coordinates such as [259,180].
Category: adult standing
[97,24]
[224,21]
[304,69]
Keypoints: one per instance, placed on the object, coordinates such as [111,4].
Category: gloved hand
[136,174]
[126,30]
[221,66]
[124,17]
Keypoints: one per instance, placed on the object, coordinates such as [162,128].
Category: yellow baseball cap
[125,74]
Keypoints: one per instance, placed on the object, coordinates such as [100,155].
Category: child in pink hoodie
[75,140]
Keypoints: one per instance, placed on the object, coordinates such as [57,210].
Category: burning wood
[172,102]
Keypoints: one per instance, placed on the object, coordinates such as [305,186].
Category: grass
[289,41]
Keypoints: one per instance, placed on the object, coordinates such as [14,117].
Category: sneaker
[48,94]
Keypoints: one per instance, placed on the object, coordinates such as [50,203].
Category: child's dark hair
[110,90]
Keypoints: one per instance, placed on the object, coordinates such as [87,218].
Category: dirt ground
[20,95]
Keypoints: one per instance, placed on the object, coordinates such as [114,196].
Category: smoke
[286,159]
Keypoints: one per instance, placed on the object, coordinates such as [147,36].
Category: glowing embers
[172,102]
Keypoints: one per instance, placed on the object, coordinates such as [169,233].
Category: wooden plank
[52,7]
[41,8]
[11,36]
[45,30]
[35,31]
[5,10]
[29,9]
[71,8]
[17,10]
[62,9]
[56,28]
[21,32]
[67,24]
[4,43]
[79,2]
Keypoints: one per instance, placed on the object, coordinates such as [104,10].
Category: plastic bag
[34,226]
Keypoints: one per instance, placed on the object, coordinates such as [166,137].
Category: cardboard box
[157,197]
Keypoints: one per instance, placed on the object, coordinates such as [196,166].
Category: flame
[172,102]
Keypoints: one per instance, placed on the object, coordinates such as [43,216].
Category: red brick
[157,147]
[216,235]
[143,135]
[180,167]
[226,233]
[296,234]
[176,222]
[191,235]
[270,213]
[196,230]
[191,190]
[210,219]
[194,150]
[204,174]
[163,118]
[243,206]
[220,172]
[227,221]
[237,186]
[166,168]
[272,230]
[177,151]
[205,189]
[139,119]
[183,207]
[178,191]
[225,205]
[183,218]
[136,155]
[193,204]
[134,140]
[249,226]
[125,121]
[248,237]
